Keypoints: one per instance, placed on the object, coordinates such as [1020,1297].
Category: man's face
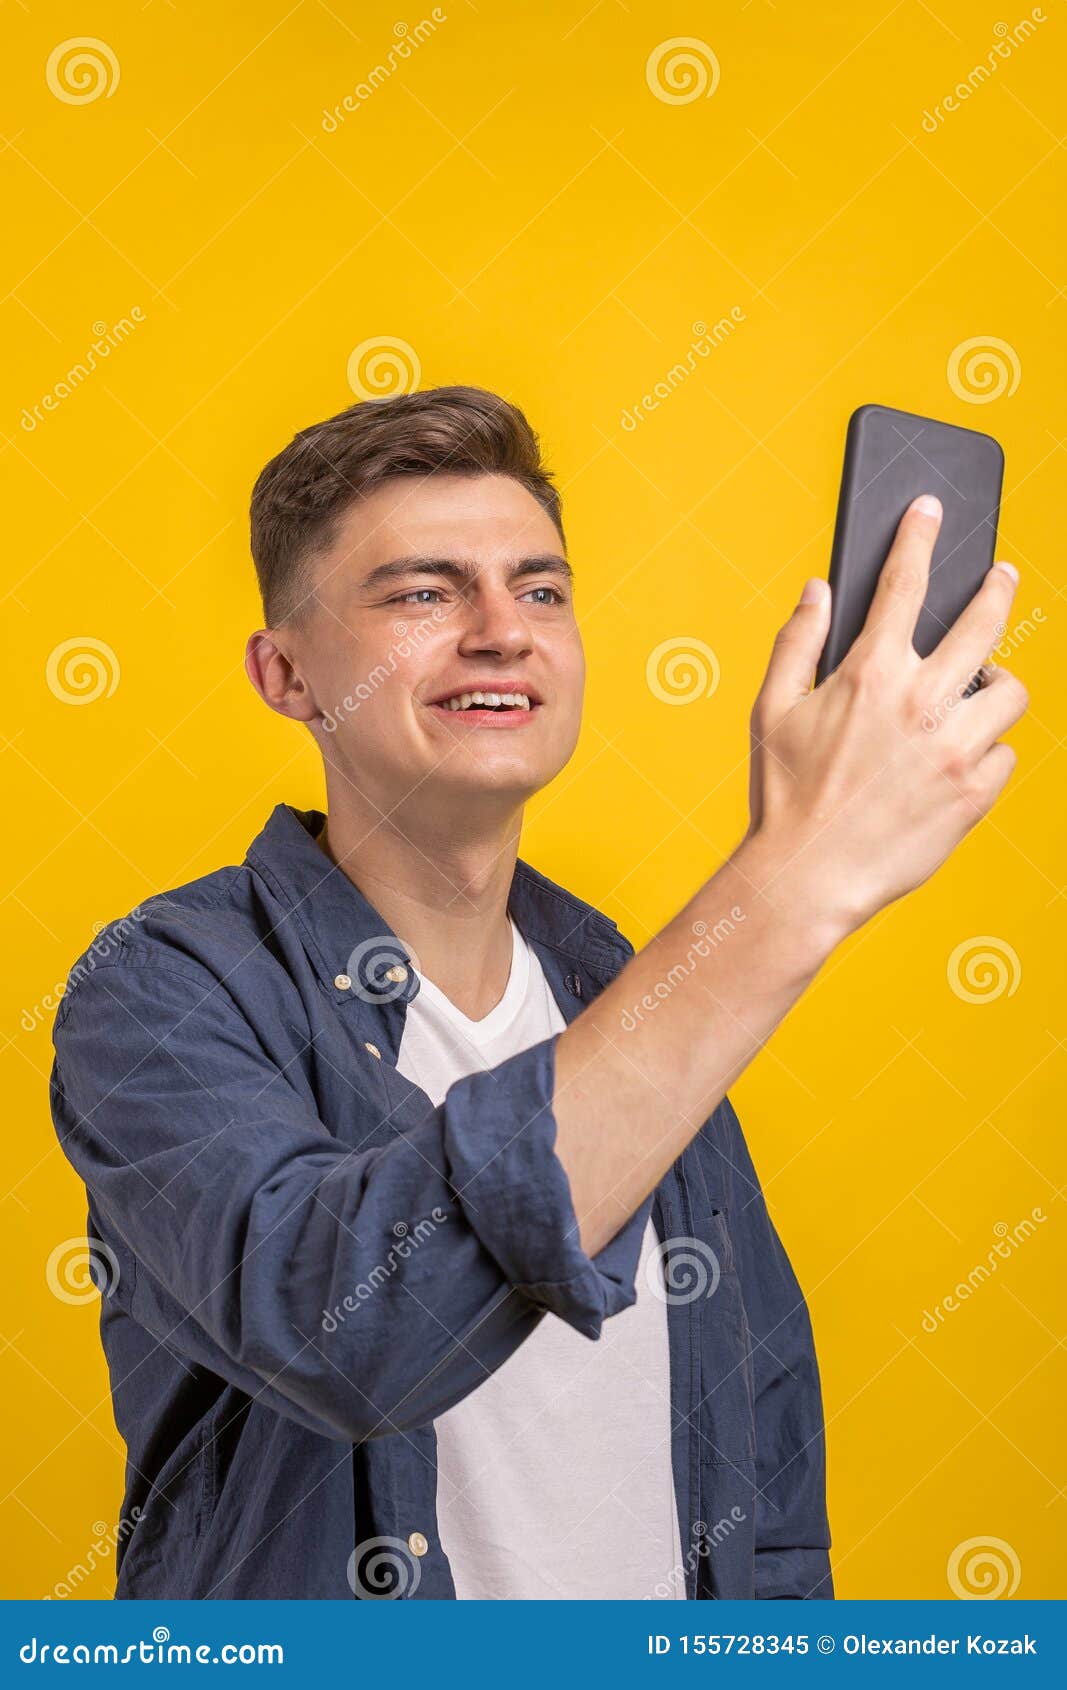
[439,586]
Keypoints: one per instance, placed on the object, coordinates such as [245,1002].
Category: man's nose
[494,622]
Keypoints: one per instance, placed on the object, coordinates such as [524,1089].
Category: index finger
[905,576]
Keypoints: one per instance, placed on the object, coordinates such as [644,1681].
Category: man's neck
[444,894]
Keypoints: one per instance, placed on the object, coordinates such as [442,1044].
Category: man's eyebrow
[461,570]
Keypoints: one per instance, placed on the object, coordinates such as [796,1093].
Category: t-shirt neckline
[502,1013]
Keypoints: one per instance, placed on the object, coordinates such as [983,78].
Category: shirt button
[373,1049]
[417,1543]
[573,983]
[343,982]
[398,973]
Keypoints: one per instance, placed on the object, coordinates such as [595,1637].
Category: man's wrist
[775,877]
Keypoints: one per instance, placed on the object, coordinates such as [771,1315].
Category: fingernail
[1010,569]
[928,505]
[812,591]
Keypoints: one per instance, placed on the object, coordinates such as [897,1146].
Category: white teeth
[511,700]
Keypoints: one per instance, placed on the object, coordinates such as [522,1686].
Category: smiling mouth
[507,702]
[499,703]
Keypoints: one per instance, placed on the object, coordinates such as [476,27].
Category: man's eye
[412,596]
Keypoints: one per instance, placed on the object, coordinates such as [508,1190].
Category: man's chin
[505,786]
[493,781]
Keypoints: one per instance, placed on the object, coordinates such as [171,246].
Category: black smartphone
[890,458]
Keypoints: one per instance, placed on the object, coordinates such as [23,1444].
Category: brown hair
[302,495]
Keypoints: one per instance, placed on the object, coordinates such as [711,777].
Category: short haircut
[302,496]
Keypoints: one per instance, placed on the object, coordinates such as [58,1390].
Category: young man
[380,1127]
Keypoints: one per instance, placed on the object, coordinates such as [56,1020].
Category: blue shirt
[303,1262]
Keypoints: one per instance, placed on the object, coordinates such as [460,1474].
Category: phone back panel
[890,458]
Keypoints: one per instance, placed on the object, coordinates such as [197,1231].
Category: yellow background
[518,206]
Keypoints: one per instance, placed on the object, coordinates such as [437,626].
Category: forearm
[359,1282]
[854,802]
[644,1065]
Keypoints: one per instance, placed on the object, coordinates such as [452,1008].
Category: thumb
[791,669]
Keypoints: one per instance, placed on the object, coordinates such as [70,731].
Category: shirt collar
[351,945]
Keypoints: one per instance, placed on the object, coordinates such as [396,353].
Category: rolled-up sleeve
[358,1286]
[499,1133]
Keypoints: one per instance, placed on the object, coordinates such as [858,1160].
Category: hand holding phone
[890,458]
[862,787]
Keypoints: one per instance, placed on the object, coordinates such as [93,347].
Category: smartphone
[890,458]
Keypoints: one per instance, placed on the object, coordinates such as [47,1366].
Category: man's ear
[276,679]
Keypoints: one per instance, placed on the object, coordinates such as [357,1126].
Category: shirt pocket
[714,1225]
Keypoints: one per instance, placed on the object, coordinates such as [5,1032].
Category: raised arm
[859,790]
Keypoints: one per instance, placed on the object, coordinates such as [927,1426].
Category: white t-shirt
[554,1475]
